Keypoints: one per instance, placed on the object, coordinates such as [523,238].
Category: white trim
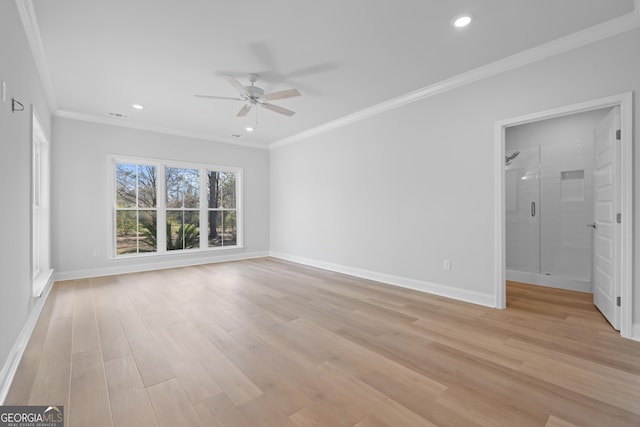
[41,281]
[40,250]
[154,266]
[15,355]
[172,163]
[592,34]
[625,101]
[589,35]
[30,24]
[626,209]
[403,282]
[635,335]
[154,128]
[500,241]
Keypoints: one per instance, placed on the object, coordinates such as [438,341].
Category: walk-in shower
[549,182]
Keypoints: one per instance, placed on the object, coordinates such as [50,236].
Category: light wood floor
[270,343]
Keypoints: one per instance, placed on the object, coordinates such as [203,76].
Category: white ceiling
[343,55]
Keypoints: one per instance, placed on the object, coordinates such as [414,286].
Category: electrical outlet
[96,251]
[446,265]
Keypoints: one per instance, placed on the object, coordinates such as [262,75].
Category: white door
[605,282]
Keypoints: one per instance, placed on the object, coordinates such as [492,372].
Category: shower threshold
[552,281]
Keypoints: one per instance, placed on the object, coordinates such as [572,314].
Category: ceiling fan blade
[244,110]
[218,97]
[236,84]
[289,93]
[278,109]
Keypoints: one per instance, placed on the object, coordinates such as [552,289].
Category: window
[183,208]
[178,199]
[221,205]
[135,210]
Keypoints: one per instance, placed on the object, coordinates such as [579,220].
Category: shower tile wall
[566,204]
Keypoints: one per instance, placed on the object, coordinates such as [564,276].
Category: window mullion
[161,210]
[114,210]
[137,210]
[204,234]
[239,209]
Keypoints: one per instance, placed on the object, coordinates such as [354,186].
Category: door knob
[592,225]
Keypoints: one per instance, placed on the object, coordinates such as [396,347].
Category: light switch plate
[4,91]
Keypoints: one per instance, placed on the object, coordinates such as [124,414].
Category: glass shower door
[522,199]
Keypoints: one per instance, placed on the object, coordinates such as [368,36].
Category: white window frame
[161,208]
[41,271]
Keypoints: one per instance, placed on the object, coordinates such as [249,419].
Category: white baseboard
[479,298]
[156,265]
[635,332]
[15,355]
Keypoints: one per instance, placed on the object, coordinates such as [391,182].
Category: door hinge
[618,134]
[618,301]
[619,218]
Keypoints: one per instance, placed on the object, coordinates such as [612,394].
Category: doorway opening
[554,225]
[549,200]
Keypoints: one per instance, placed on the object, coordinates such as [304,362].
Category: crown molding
[153,128]
[589,35]
[30,24]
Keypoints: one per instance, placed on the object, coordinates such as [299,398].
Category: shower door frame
[624,263]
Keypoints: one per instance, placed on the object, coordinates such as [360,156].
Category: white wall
[398,193]
[79,192]
[18,70]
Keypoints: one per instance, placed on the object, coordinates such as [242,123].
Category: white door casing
[605,233]
[625,248]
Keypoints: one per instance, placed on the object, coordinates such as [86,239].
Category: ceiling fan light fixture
[255,96]
[249,129]
[462,20]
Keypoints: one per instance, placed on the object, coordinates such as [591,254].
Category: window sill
[177,254]
[40,282]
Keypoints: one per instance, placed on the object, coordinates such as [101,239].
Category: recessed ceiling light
[249,129]
[462,21]
[138,106]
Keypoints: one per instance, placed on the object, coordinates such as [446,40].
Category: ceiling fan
[254,95]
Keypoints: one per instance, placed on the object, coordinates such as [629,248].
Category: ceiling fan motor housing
[254,92]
